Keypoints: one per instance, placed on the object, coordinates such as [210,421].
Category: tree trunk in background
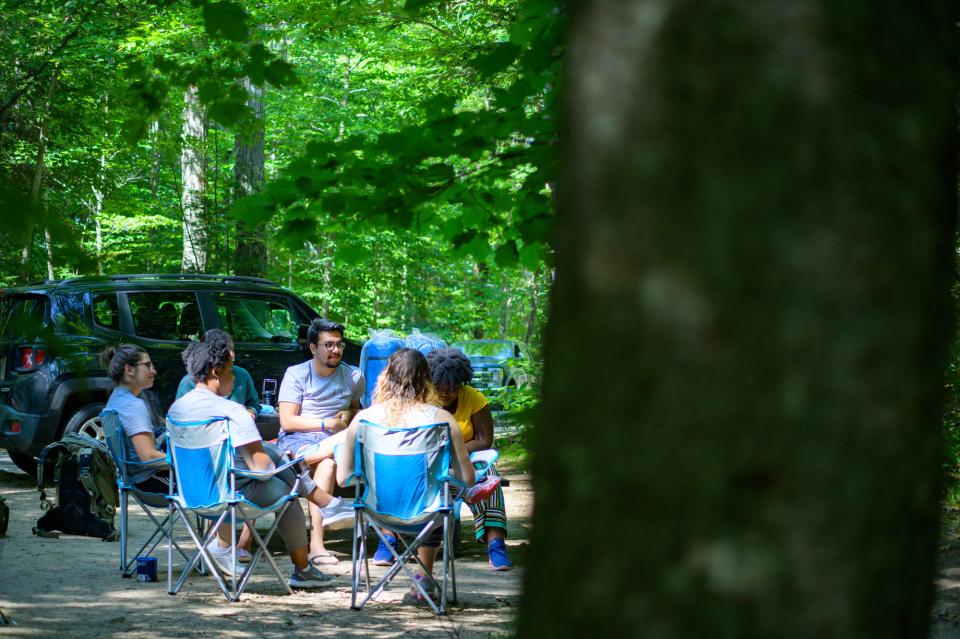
[193,175]
[251,253]
[756,236]
[156,157]
[36,184]
[48,243]
[534,305]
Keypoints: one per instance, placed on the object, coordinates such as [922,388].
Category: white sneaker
[223,558]
[338,514]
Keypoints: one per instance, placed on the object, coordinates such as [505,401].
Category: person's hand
[253,413]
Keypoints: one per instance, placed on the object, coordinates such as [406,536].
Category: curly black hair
[201,358]
[449,367]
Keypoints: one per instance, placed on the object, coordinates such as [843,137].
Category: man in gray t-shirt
[316,402]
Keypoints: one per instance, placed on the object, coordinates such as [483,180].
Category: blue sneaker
[497,551]
[383,556]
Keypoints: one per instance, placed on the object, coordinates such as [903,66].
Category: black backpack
[85,476]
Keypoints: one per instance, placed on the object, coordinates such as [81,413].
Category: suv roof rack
[171,276]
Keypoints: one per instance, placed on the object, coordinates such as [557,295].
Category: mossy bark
[744,363]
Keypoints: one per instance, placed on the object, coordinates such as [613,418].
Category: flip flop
[323,559]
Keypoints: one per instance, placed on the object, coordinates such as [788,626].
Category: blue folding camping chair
[202,458]
[404,486]
[127,470]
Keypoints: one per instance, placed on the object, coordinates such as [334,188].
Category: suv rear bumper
[36,431]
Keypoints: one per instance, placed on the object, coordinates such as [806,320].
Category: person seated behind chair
[211,363]
[244,390]
[130,367]
[244,393]
[316,400]
[450,371]
[401,399]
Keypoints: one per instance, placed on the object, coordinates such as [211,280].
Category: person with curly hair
[401,399]
[210,363]
[451,372]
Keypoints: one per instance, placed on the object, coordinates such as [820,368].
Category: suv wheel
[26,463]
[86,420]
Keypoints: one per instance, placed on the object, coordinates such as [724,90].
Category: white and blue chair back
[404,486]
[202,456]
[404,471]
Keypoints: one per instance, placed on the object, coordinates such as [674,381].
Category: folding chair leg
[123,533]
[262,543]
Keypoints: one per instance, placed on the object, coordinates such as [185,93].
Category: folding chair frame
[116,444]
[365,517]
[232,507]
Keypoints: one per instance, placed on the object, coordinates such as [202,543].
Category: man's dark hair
[201,358]
[449,367]
[322,325]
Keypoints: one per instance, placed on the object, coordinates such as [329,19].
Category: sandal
[323,559]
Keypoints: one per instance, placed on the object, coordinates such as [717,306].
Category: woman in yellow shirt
[450,370]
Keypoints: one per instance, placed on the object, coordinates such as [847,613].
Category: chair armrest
[484,457]
[158,462]
[454,480]
[263,475]
[355,479]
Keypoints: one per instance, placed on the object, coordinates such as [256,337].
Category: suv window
[256,318]
[22,314]
[165,315]
[105,311]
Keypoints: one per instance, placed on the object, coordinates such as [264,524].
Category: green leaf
[225,20]
[414,6]
[280,73]
[464,238]
[228,111]
[507,255]
[133,130]
[253,209]
[502,56]
[532,255]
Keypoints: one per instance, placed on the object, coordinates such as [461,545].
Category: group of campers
[319,412]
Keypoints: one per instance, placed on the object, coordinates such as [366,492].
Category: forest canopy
[393,162]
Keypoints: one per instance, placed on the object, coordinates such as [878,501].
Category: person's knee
[324,468]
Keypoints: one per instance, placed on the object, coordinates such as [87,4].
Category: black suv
[51,335]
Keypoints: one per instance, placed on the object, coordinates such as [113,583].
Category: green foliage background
[409,149]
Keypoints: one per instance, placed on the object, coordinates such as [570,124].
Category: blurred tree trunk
[756,238]
[193,174]
[251,252]
[36,184]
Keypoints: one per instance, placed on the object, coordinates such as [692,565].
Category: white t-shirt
[321,396]
[202,403]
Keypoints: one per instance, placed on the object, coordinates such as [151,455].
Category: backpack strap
[53,451]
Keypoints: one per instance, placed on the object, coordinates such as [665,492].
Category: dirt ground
[72,587]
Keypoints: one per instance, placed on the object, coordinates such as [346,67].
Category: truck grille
[488,378]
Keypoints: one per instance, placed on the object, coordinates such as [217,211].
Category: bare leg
[324,476]
[324,450]
[427,556]
[494,532]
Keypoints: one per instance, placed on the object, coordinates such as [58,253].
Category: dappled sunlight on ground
[71,586]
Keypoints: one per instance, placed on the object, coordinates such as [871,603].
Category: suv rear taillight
[29,358]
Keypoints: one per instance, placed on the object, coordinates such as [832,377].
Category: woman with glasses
[130,367]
